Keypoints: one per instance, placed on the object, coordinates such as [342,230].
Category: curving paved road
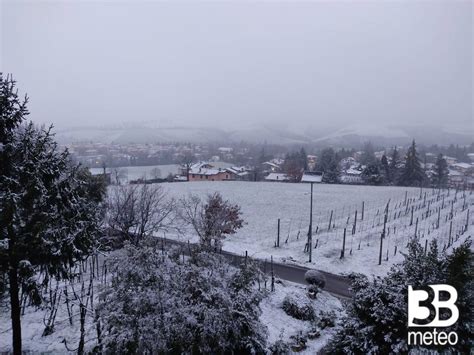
[335,284]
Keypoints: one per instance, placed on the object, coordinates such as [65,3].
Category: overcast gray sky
[235,63]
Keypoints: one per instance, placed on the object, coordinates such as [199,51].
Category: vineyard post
[343,244]
[278,234]
[450,231]
[330,221]
[382,236]
[310,225]
[439,216]
[362,214]
[467,219]
[272,286]
[355,223]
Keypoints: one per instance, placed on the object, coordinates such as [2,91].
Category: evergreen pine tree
[440,172]
[412,173]
[368,156]
[48,218]
[304,159]
[385,168]
[376,321]
[393,166]
[329,166]
[372,174]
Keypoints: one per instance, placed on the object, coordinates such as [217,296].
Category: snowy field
[263,203]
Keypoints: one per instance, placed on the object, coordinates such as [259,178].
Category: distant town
[437,166]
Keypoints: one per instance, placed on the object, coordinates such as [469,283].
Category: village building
[351,176]
[450,160]
[241,173]
[272,167]
[203,171]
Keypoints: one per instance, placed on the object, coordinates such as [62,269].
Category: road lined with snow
[335,284]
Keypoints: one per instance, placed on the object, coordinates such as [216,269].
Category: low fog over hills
[346,137]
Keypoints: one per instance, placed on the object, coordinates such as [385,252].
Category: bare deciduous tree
[136,211]
[213,219]
[118,175]
[187,162]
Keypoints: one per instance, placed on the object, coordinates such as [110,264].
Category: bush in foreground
[298,308]
[200,305]
[315,277]
[376,321]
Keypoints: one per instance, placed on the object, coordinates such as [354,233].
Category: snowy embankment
[280,326]
[68,295]
[263,203]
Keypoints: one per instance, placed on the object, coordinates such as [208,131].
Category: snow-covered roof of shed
[353,172]
[463,165]
[277,177]
[454,173]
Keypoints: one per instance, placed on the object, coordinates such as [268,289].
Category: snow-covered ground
[282,326]
[263,203]
[33,320]
[279,324]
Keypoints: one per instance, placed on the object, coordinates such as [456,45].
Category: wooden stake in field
[363,208]
[467,220]
[416,227]
[272,286]
[343,244]
[330,221]
[355,223]
[278,234]
[450,231]
[289,231]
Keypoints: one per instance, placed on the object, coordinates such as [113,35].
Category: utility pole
[310,233]
[382,235]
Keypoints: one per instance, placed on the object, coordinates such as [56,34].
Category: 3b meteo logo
[424,310]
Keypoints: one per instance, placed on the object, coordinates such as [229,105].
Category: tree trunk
[15,309]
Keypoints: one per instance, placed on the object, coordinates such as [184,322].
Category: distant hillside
[349,136]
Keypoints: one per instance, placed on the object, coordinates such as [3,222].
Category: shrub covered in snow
[377,316]
[279,348]
[326,319]
[298,307]
[313,291]
[298,342]
[315,277]
[199,305]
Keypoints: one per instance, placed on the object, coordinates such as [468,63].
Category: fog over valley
[301,72]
